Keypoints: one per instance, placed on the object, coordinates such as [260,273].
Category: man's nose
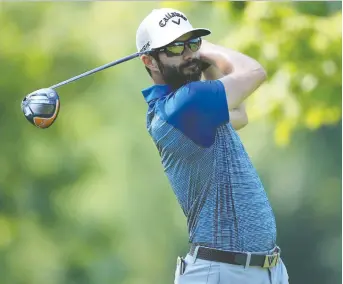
[188,54]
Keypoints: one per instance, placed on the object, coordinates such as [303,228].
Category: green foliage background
[86,201]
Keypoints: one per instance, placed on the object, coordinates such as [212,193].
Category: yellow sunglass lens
[194,46]
[175,48]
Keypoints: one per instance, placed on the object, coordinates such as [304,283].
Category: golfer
[195,107]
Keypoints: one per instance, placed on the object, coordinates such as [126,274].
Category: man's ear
[150,62]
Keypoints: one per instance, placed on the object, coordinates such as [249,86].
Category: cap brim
[196,32]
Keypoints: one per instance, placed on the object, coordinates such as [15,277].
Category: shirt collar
[156,92]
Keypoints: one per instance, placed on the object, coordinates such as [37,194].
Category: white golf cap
[163,26]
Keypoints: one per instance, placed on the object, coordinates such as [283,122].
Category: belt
[238,258]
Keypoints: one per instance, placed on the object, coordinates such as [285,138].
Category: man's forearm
[238,115]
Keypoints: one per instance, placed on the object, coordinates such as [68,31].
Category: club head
[41,107]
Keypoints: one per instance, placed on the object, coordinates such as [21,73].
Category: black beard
[175,77]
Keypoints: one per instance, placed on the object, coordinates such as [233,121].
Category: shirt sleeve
[198,108]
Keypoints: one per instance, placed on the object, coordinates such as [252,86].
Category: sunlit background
[86,201]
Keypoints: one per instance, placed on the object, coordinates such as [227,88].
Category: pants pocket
[198,272]
[180,268]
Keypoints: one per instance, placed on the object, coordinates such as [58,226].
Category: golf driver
[41,107]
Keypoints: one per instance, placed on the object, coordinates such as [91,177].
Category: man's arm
[242,75]
[238,116]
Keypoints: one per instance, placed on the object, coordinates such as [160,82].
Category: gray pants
[211,272]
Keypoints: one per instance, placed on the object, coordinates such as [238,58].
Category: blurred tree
[303,57]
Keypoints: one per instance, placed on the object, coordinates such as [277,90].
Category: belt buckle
[271,260]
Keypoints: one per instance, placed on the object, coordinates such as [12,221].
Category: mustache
[195,61]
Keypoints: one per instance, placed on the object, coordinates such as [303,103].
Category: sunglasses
[178,48]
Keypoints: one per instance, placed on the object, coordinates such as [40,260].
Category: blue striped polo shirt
[208,168]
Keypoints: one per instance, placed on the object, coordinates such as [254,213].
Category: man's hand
[212,72]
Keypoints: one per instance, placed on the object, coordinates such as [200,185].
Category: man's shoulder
[191,100]
[201,85]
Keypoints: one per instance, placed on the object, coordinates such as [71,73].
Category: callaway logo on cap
[163,26]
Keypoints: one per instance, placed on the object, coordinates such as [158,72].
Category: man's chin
[190,74]
[191,70]
[177,80]
[193,76]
